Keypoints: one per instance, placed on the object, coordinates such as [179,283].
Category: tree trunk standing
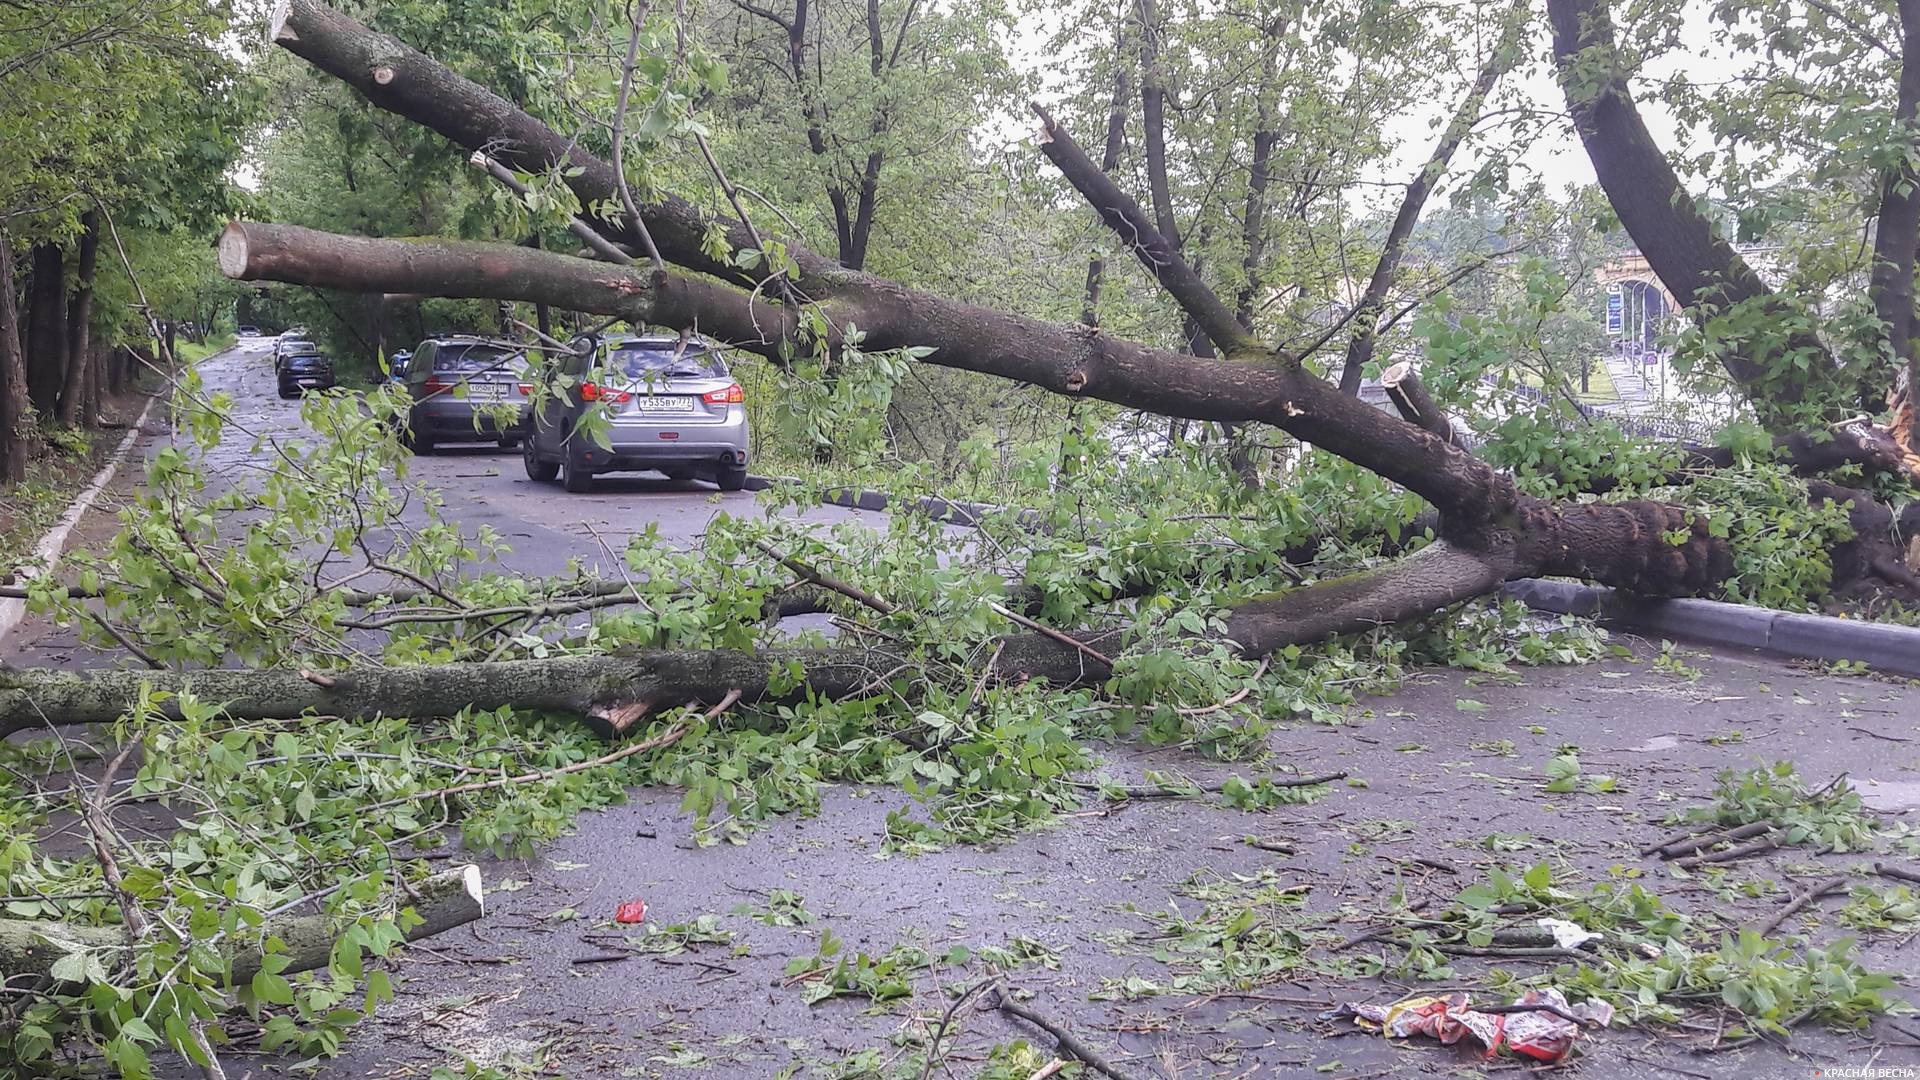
[46,329]
[79,363]
[1897,234]
[13,377]
[1691,258]
[1109,161]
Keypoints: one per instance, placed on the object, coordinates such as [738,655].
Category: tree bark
[580,685]
[14,406]
[1897,234]
[1693,261]
[46,329]
[445,900]
[74,394]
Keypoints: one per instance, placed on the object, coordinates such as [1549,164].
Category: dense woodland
[970,249]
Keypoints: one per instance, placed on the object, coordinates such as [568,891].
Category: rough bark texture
[79,365]
[1692,259]
[13,377]
[446,900]
[33,698]
[46,328]
[1897,234]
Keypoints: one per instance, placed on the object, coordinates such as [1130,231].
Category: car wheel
[537,469]
[576,479]
[508,442]
[420,442]
[732,478]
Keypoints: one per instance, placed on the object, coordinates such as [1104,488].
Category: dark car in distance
[464,390]
[305,371]
[669,406]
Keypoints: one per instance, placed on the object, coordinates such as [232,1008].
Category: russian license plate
[479,391]
[650,403]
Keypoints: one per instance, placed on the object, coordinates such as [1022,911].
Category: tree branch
[1131,224]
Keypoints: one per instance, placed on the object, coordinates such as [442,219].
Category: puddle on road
[1655,744]
[1890,797]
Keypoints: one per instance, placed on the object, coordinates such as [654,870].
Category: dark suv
[665,406]
[457,385]
[305,371]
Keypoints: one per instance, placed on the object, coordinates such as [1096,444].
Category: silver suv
[463,390]
[636,402]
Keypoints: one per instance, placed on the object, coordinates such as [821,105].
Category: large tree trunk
[1897,234]
[47,329]
[14,407]
[589,686]
[74,394]
[1692,259]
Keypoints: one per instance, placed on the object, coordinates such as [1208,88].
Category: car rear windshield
[471,358]
[295,346]
[307,361]
[656,361]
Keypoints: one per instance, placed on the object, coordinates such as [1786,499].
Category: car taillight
[526,389]
[436,386]
[596,392]
[732,395]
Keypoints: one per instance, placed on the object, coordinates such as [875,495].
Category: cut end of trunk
[470,882]
[382,75]
[1396,374]
[233,251]
[277,28]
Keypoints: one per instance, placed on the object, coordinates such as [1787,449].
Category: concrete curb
[1894,650]
[55,541]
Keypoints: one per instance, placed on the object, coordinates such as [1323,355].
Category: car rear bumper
[462,422]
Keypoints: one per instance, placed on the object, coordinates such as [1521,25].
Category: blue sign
[1615,309]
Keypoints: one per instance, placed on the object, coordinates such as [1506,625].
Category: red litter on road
[632,911]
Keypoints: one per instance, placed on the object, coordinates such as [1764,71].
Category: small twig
[1235,699]
[1190,790]
[1768,843]
[1896,873]
[946,1018]
[1379,931]
[1698,844]
[1836,883]
[826,581]
[1064,1038]
[1062,638]
[1538,1006]
[602,958]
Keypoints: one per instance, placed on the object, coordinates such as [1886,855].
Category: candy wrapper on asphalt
[1543,1033]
